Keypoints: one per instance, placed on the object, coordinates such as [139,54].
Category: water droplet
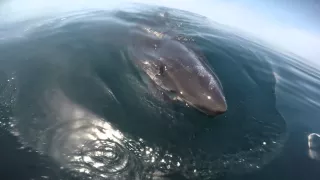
[264,143]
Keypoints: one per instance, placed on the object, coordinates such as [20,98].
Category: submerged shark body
[177,70]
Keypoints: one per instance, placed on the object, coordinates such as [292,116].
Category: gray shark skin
[177,70]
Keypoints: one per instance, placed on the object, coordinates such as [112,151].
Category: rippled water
[72,105]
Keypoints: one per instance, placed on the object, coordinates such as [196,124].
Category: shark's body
[177,70]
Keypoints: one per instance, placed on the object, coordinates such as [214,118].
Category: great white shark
[177,70]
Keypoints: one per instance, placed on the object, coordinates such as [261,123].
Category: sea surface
[73,106]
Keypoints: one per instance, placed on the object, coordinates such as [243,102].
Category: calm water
[73,106]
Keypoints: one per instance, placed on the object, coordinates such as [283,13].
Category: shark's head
[202,91]
[179,71]
[207,100]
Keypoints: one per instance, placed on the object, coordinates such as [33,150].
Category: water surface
[73,106]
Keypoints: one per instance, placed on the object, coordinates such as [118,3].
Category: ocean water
[73,105]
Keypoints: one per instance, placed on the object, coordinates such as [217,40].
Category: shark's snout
[212,110]
[211,101]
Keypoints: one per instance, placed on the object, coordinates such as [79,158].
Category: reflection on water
[81,141]
[90,145]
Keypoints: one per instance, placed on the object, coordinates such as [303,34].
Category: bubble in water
[314,146]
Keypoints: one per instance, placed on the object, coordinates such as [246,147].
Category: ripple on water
[84,143]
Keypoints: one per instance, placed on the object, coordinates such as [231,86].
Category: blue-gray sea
[73,106]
